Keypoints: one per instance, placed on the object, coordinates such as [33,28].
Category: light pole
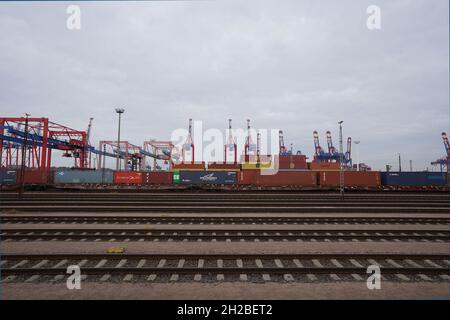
[341,161]
[357,142]
[24,157]
[119,111]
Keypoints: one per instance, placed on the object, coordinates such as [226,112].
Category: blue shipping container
[7,176]
[413,178]
[208,177]
[83,176]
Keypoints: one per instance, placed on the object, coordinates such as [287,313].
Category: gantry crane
[332,155]
[230,145]
[444,162]
[34,139]
[249,145]
[188,145]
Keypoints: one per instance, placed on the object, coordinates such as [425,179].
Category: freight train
[286,179]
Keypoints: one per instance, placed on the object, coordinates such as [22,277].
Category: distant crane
[331,148]
[87,154]
[282,148]
[249,145]
[230,145]
[188,145]
[444,162]
[332,154]
[317,148]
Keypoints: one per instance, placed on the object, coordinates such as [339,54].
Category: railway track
[222,235]
[117,219]
[221,209]
[225,267]
[223,202]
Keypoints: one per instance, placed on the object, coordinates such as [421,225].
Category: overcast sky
[293,65]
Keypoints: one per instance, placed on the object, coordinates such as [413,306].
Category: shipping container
[256,166]
[157,177]
[287,178]
[414,178]
[291,161]
[324,166]
[246,177]
[214,166]
[189,166]
[69,176]
[351,178]
[128,177]
[207,177]
[7,176]
[35,176]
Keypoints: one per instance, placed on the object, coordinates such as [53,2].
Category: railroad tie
[297,263]
[105,277]
[40,264]
[431,263]
[33,278]
[141,263]
[58,277]
[278,263]
[336,263]
[220,276]
[121,263]
[424,277]
[2,262]
[101,263]
[21,263]
[317,263]
[174,277]
[413,263]
[8,279]
[161,263]
[402,277]
[395,264]
[356,263]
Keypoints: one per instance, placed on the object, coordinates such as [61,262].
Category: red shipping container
[291,161]
[127,177]
[35,177]
[189,166]
[351,178]
[288,178]
[224,166]
[245,177]
[324,166]
[162,177]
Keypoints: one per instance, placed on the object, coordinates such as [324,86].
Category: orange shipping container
[189,166]
[224,166]
[291,161]
[351,178]
[288,178]
[127,177]
[157,177]
[35,177]
[324,166]
[246,177]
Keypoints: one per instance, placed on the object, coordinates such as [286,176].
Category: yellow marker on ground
[115,250]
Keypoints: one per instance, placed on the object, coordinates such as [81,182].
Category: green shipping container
[176,177]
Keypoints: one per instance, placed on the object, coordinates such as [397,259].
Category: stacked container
[157,177]
[214,166]
[68,176]
[196,166]
[205,177]
[414,178]
[129,177]
[324,166]
[351,178]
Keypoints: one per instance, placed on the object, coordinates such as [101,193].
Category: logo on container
[208,178]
